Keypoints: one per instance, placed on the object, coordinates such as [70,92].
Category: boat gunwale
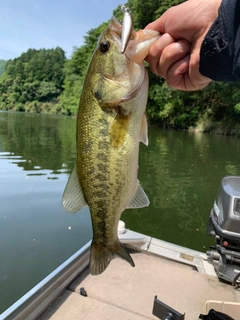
[40,297]
[36,300]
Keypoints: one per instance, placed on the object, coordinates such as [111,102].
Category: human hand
[175,55]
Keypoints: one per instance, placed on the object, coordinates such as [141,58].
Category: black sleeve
[220,50]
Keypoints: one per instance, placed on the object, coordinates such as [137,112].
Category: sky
[47,24]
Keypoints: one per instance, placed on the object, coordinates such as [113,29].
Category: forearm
[220,50]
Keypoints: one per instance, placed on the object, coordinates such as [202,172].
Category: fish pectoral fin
[73,199]
[144,130]
[140,199]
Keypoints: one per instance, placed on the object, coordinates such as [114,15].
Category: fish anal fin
[73,199]
[144,130]
[140,199]
[101,256]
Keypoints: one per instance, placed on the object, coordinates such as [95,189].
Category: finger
[157,25]
[181,77]
[178,73]
[171,54]
[196,79]
[156,51]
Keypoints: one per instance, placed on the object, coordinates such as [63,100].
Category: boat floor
[123,292]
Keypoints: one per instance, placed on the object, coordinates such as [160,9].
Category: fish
[111,122]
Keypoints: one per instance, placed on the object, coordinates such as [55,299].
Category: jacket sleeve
[220,50]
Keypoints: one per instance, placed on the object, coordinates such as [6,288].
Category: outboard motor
[224,225]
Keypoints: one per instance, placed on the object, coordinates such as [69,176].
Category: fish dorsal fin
[144,130]
[73,199]
[140,199]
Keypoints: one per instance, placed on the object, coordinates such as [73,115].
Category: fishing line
[119,13]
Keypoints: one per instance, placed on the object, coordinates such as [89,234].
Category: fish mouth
[116,30]
[136,50]
[138,43]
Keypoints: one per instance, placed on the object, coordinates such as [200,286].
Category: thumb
[157,25]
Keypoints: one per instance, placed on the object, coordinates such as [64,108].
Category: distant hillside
[2,65]
[33,81]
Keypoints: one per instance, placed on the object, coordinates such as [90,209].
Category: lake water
[180,172]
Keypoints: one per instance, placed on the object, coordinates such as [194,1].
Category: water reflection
[37,154]
[40,141]
[180,172]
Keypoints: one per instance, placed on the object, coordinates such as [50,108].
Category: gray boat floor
[123,292]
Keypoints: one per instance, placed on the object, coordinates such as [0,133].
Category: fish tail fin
[101,256]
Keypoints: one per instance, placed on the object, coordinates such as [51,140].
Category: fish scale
[111,122]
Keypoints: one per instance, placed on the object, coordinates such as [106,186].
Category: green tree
[41,78]
[2,66]
[76,68]
[36,76]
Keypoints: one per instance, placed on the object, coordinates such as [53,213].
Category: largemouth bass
[111,122]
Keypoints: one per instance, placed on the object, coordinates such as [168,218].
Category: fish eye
[104,46]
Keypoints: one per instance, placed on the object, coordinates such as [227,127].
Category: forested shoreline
[45,81]
[2,66]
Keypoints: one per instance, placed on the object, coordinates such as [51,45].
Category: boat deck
[123,292]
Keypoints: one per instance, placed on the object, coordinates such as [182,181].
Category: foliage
[44,81]
[35,77]
[147,11]
[76,68]
[2,66]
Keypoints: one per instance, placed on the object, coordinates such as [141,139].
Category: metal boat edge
[38,299]
[34,302]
